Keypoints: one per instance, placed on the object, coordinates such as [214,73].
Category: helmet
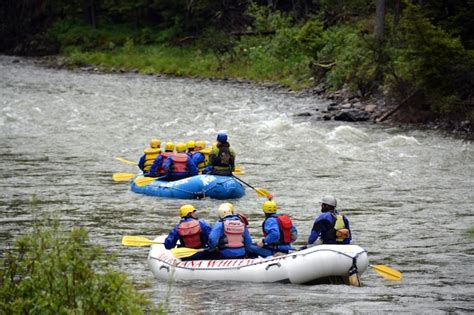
[181,147]
[269,206]
[225,210]
[185,210]
[191,144]
[201,144]
[329,200]
[221,137]
[169,146]
[155,143]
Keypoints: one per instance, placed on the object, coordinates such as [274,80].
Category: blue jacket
[156,164]
[324,226]
[173,236]
[217,233]
[272,230]
[198,158]
[141,162]
[192,169]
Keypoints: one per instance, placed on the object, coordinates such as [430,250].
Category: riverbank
[343,105]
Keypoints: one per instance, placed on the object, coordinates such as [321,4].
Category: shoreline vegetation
[397,62]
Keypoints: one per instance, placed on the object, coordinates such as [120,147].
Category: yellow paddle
[121,159]
[137,241]
[260,191]
[143,181]
[183,252]
[178,252]
[122,177]
[387,272]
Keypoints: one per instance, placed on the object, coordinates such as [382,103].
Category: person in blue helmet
[179,165]
[221,158]
[331,226]
[229,237]
[191,232]
[278,230]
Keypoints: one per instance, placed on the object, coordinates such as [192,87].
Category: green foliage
[470,231]
[54,272]
[310,37]
[432,62]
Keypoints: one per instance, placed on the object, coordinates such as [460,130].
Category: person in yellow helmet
[199,156]
[278,230]
[179,165]
[191,232]
[150,154]
[156,169]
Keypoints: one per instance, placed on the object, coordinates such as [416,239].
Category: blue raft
[196,187]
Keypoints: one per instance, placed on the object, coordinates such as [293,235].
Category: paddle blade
[125,161]
[137,241]
[143,181]
[238,172]
[387,272]
[122,177]
[264,193]
[183,252]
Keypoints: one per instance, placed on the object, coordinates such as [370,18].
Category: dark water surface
[408,193]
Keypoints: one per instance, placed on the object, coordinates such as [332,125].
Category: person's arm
[193,170]
[141,162]
[272,230]
[346,223]
[205,231]
[172,238]
[156,164]
[247,239]
[215,235]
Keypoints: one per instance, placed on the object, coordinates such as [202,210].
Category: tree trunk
[379,19]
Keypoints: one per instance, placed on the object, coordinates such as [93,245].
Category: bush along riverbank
[413,68]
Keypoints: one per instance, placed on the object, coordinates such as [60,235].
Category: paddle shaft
[244,182]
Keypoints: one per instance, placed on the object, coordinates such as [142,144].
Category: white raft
[305,266]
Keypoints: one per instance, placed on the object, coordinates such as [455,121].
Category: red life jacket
[165,155]
[284,225]
[190,233]
[180,162]
[234,233]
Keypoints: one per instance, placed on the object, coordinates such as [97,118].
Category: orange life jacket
[234,233]
[180,162]
[284,224]
[190,233]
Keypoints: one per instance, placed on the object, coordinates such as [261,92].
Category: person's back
[222,157]
[229,236]
[190,231]
[200,156]
[156,169]
[149,156]
[278,230]
[331,226]
[179,165]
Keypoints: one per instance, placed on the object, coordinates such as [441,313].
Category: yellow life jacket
[341,232]
[204,163]
[150,156]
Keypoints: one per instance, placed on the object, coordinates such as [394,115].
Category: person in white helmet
[331,226]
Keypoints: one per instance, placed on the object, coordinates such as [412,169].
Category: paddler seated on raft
[331,226]
[190,231]
[179,165]
[197,155]
[278,230]
[229,237]
[156,169]
[221,158]
[150,154]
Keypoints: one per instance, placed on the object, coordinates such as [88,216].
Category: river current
[407,193]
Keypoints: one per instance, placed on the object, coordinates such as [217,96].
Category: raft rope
[200,194]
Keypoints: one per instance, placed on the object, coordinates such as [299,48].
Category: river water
[408,193]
